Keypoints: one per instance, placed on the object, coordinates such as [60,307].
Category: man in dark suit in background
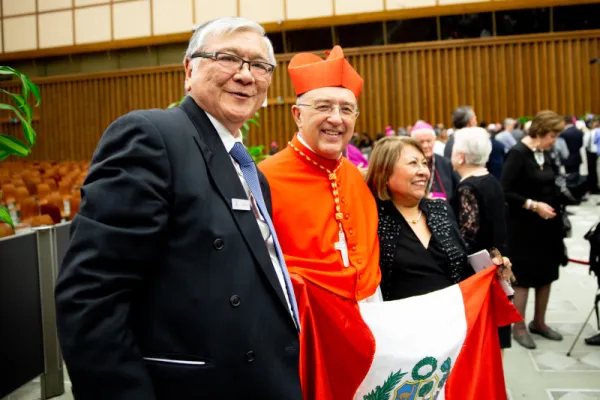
[174,286]
[496,160]
[574,139]
[462,117]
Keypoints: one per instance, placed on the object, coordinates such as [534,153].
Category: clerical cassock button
[218,244]
[250,356]
[347,216]
[353,248]
[235,300]
[343,200]
[359,261]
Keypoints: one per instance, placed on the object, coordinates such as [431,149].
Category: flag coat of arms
[442,345]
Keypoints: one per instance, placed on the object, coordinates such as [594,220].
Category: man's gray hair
[461,116]
[226,26]
[475,143]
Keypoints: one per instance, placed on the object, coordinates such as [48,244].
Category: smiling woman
[420,245]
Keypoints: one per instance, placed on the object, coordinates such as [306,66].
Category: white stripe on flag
[417,342]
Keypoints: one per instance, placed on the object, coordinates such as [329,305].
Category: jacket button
[250,356]
[353,248]
[218,244]
[347,216]
[235,300]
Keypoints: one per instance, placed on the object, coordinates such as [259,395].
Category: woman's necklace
[539,158]
[414,221]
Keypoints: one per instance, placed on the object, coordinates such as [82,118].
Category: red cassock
[327,292]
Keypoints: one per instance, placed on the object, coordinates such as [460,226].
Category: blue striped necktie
[243,158]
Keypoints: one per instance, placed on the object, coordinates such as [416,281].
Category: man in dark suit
[496,160]
[174,286]
[574,139]
[462,117]
[443,181]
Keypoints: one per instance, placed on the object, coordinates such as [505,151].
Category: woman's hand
[545,211]
[504,269]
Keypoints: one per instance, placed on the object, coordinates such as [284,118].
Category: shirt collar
[226,136]
[299,136]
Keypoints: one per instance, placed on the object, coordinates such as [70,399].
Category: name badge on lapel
[241,204]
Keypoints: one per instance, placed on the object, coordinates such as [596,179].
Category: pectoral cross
[342,247]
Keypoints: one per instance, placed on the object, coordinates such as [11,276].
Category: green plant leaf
[176,103]
[256,150]
[3,156]
[11,108]
[27,128]
[35,90]
[5,217]
[257,115]
[246,127]
[28,86]
[253,122]
[13,146]
[21,104]
[28,132]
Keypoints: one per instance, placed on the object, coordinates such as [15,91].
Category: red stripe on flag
[337,347]
[478,372]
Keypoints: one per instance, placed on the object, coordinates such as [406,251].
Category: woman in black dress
[479,201]
[421,247]
[535,237]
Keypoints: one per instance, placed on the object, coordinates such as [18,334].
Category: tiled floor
[545,373]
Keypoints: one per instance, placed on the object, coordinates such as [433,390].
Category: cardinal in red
[326,220]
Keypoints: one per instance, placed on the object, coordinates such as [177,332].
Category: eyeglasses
[328,108]
[231,63]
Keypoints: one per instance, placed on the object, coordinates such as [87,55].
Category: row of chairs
[41,193]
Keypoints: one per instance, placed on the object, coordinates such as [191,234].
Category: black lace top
[408,268]
[480,210]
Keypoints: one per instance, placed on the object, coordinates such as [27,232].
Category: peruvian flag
[443,345]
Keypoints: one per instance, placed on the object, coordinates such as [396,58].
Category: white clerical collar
[226,136]
[307,146]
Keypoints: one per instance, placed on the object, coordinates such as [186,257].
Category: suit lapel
[225,178]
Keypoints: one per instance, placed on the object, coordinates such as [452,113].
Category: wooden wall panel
[500,77]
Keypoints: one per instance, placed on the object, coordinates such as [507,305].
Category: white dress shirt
[229,141]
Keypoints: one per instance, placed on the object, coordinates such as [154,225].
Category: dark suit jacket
[574,139]
[447,174]
[161,269]
[496,160]
[449,147]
